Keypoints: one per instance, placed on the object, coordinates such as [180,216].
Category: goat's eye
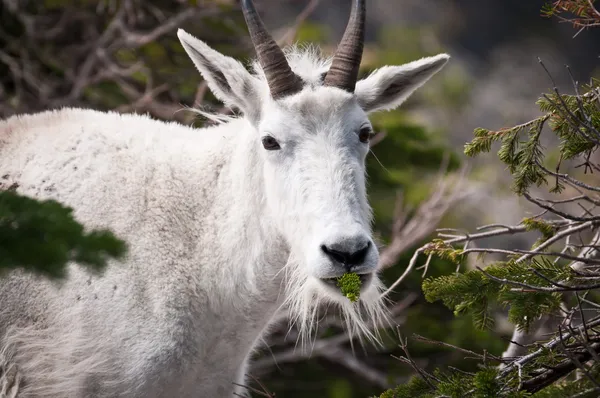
[364,135]
[270,143]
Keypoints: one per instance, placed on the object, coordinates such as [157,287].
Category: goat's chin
[362,318]
[332,293]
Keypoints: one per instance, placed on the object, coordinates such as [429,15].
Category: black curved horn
[343,72]
[280,77]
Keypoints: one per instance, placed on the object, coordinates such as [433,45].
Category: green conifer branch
[547,229]
[575,119]
[538,282]
[43,237]
[445,251]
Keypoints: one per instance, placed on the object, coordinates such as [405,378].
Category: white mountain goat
[226,225]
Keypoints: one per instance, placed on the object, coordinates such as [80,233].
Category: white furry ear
[390,86]
[227,78]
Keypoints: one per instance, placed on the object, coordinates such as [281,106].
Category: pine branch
[43,237]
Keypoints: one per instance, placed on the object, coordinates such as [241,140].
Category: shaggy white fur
[222,233]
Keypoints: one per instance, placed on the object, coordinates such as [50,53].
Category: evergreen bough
[558,278]
[43,237]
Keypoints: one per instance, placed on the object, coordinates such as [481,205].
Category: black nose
[345,258]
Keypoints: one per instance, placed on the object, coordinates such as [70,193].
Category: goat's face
[314,146]
[310,125]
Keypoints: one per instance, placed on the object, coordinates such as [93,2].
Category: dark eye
[270,143]
[364,135]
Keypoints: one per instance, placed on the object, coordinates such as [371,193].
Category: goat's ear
[390,86]
[227,78]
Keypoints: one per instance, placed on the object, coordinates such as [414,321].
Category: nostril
[345,257]
[336,255]
[358,257]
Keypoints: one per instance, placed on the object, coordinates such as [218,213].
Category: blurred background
[124,55]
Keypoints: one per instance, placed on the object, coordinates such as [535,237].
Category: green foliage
[470,293]
[445,251]
[525,285]
[525,157]
[574,140]
[582,388]
[486,384]
[490,382]
[452,384]
[547,229]
[522,157]
[483,384]
[474,292]
[43,236]
[349,285]
[416,387]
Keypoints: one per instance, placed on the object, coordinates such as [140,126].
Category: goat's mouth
[332,283]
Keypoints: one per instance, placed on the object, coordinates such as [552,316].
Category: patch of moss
[349,284]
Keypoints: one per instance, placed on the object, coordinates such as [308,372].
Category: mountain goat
[226,225]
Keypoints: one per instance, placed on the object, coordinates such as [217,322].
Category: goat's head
[311,127]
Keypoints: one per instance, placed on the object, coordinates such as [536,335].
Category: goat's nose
[347,258]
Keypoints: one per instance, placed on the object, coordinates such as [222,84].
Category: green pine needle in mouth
[349,284]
